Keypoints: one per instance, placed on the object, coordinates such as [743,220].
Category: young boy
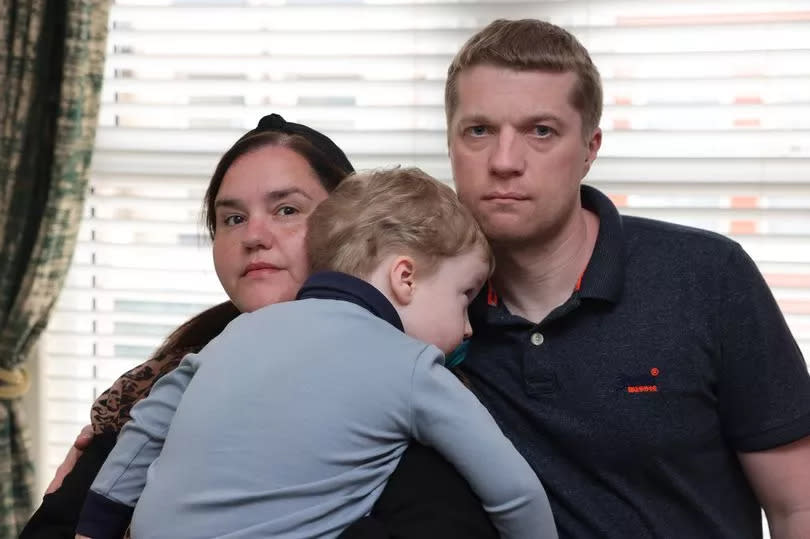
[300,439]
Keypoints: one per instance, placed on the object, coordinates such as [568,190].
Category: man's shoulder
[644,227]
[669,239]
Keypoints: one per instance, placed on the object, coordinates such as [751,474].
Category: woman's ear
[401,279]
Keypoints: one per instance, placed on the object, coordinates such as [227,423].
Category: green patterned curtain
[51,69]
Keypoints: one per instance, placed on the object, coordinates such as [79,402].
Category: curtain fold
[51,70]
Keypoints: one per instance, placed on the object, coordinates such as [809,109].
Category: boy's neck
[535,279]
[362,292]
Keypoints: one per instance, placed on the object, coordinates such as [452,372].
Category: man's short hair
[531,45]
[375,214]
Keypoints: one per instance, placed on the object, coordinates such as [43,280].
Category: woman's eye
[232,220]
[287,210]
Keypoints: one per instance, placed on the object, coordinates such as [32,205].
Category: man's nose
[508,157]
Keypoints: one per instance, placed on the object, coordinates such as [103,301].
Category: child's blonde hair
[374,214]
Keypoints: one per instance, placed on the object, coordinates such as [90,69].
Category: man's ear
[401,279]
[594,143]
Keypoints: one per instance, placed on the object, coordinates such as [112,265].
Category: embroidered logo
[642,389]
[641,384]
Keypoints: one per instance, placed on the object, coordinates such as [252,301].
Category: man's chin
[507,231]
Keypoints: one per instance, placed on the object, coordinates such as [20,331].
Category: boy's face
[438,311]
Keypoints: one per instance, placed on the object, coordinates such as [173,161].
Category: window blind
[707,123]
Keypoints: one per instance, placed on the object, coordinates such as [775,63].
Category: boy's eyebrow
[270,196]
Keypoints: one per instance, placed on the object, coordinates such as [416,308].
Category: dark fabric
[670,358]
[274,122]
[33,173]
[57,516]
[340,286]
[426,498]
[366,528]
[103,518]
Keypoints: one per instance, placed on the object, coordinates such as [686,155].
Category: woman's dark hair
[196,332]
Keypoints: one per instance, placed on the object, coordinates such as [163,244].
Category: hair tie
[273,122]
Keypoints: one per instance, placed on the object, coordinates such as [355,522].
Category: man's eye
[477,130]
[286,210]
[232,220]
[543,131]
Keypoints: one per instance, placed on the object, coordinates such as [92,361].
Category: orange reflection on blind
[788,280]
[743,227]
[714,18]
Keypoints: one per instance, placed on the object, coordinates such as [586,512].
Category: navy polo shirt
[632,398]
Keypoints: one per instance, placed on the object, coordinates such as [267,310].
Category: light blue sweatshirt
[290,422]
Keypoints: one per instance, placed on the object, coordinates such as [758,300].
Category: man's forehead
[505,94]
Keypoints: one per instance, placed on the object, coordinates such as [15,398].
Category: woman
[256,206]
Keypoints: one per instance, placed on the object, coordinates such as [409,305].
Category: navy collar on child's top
[342,286]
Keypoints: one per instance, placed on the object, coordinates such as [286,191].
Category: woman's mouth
[259,268]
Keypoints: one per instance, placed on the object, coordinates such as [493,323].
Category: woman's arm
[57,516]
[110,412]
[118,485]
[425,498]
[59,513]
[81,443]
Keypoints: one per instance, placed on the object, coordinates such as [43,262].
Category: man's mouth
[505,196]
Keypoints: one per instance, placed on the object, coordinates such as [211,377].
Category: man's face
[518,152]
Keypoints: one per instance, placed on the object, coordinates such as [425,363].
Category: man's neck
[535,279]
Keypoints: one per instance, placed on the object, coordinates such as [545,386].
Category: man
[643,369]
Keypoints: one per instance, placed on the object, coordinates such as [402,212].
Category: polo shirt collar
[604,274]
[344,287]
[603,278]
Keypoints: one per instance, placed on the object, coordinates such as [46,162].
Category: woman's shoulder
[112,408]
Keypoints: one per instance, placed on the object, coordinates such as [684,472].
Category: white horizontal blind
[707,123]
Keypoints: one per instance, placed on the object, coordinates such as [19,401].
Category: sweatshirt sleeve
[121,480]
[448,417]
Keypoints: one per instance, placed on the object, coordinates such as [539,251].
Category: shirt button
[537,339]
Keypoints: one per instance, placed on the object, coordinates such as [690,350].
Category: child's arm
[109,504]
[447,416]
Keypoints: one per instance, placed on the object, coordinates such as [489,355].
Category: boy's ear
[401,277]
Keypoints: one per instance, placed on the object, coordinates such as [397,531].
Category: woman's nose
[258,234]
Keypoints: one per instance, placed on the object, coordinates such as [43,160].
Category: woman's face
[261,222]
